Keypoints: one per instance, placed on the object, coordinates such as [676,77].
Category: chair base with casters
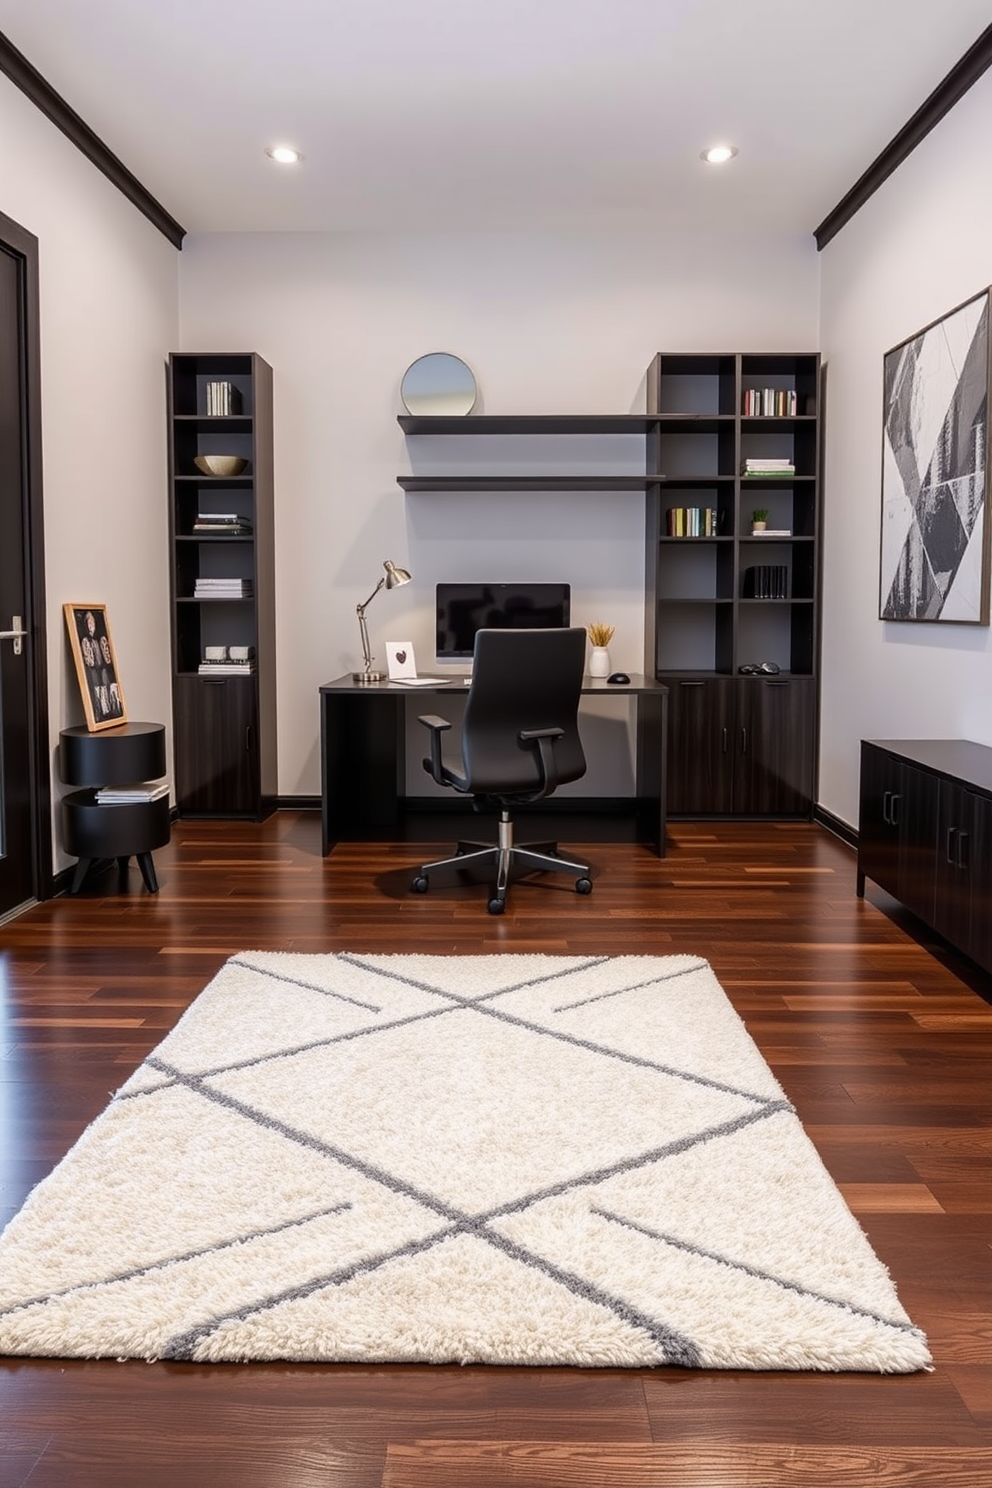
[519,742]
[508,859]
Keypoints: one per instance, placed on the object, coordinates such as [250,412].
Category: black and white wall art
[935,546]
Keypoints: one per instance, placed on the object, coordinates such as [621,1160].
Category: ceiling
[422,114]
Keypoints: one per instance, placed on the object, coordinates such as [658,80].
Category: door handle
[894,809]
[887,807]
[15,634]
[952,832]
[743,741]
[726,739]
[248,737]
[962,853]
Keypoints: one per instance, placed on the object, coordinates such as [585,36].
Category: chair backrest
[522,679]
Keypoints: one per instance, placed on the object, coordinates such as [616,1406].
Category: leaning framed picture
[96,665]
[935,479]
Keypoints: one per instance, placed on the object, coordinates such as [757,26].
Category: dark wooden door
[700,746]
[25,815]
[216,747]
[774,738]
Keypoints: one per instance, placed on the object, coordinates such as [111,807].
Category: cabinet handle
[692,684]
[743,741]
[962,854]
[248,736]
[887,807]
[894,808]
[952,832]
[726,740]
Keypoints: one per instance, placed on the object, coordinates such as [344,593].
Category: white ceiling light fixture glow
[284,154]
[719,154]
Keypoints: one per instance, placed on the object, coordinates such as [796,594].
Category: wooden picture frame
[93,653]
[934,559]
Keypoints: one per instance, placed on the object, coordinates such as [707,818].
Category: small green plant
[760,514]
[599,634]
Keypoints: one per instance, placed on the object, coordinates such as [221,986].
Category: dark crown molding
[43,96]
[947,93]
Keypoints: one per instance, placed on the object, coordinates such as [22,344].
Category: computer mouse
[618,677]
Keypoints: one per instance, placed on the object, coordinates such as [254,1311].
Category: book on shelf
[766,581]
[222,399]
[241,587]
[691,521]
[769,403]
[131,795]
[773,532]
[225,668]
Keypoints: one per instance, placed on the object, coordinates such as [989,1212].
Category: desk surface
[590,686]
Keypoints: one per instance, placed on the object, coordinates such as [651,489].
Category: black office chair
[520,741]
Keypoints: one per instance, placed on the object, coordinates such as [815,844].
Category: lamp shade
[395,577]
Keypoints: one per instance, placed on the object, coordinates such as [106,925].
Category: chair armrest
[545,740]
[437,726]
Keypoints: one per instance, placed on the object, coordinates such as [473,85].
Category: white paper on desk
[421,682]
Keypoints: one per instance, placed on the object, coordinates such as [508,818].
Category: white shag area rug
[503,1159]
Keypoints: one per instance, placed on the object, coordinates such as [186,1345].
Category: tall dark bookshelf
[224,727]
[739,743]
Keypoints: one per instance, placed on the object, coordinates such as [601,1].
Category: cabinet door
[774,774]
[216,747]
[914,809]
[878,834]
[700,742]
[979,945]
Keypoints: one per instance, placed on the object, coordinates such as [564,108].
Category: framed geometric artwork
[935,497]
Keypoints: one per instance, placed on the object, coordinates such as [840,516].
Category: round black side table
[118,756]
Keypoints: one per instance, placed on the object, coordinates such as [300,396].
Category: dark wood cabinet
[722,597]
[740,745]
[925,834]
[222,583]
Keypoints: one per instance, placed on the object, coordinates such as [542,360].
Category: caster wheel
[583,885]
[419,885]
[497,906]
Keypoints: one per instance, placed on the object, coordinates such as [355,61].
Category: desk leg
[652,768]
[362,765]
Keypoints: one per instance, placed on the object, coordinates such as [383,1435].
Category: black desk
[363,754]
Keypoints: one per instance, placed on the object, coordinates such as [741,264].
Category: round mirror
[438,383]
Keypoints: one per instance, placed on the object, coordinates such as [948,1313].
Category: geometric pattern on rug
[511,1159]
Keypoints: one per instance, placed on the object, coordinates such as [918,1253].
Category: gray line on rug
[547,976]
[631,1164]
[274,1054]
[673,976]
[177,1260]
[758,1275]
[477,1004]
[677,1349]
[314,1144]
[279,976]
[182,1345]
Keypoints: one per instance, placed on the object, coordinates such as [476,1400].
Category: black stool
[118,756]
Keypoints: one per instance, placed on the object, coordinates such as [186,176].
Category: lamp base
[368,677]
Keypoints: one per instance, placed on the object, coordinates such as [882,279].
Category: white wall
[109,317]
[921,246]
[550,323]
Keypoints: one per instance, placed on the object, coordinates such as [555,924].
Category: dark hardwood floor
[883,1044]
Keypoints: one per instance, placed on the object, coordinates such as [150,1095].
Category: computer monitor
[462,609]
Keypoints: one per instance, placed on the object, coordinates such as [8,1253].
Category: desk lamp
[395,578]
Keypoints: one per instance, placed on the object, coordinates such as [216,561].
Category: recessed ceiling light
[284,154]
[719,154]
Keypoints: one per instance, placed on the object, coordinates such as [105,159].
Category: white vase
[599,662]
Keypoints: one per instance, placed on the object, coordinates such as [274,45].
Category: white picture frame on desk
[401,664]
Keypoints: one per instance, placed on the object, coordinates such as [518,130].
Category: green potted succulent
[759,519]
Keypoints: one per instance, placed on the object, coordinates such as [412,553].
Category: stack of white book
[765,468]
[223,589]
[131,795]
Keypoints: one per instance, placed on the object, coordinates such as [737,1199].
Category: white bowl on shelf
[220,464]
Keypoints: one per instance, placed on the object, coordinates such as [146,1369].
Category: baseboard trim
[834,824]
